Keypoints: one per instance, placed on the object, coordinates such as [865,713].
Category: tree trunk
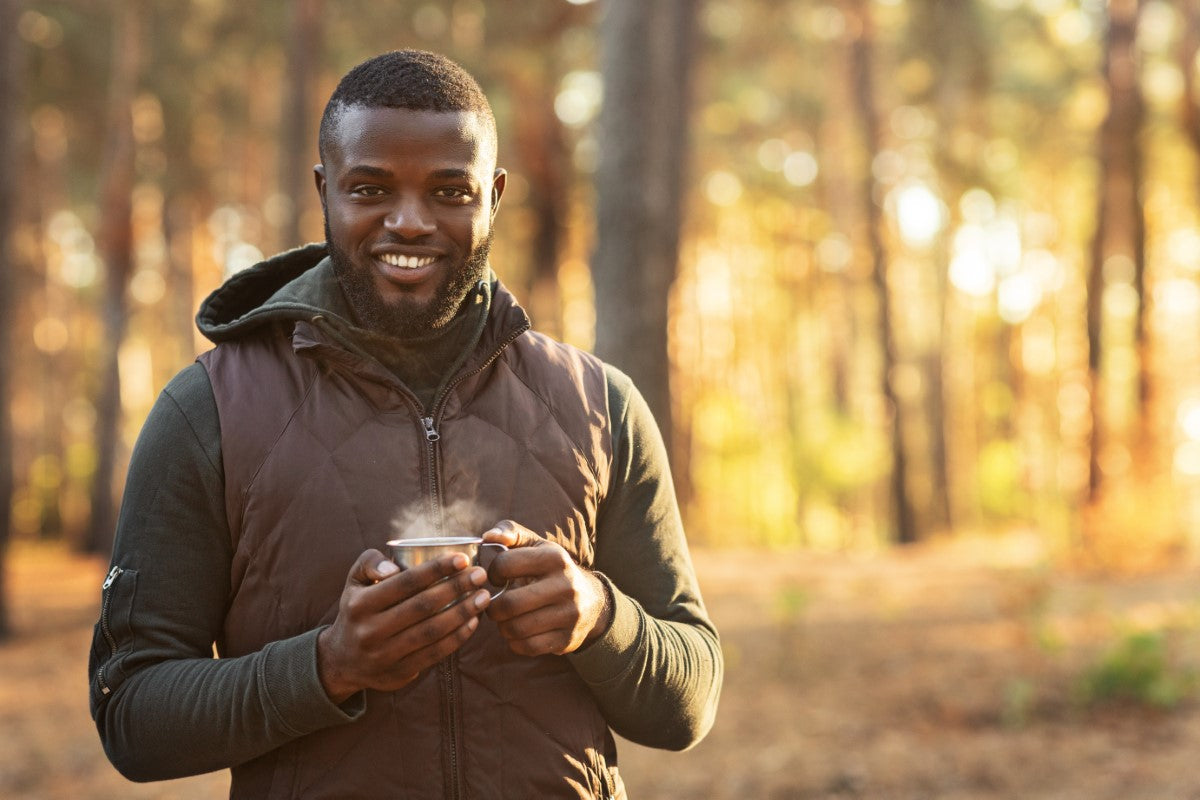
[11,123]
[181,286]
[862,50]
[647,51]
[295,153]
[115,244]
[1120,222]
[1189,48]
[545,161]
[954,34]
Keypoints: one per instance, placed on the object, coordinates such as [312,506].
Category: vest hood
[288,286]
[300,286]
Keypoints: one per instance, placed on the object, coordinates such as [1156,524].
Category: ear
[498,181]
[319,179]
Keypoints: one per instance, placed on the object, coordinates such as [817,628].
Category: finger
[512,534]
[410,666]
[538,621]
[528,599]
[403,585]
[397,632]
[370,567]
[438,598]
[549,643]
[536,562]
[406,582]
[426,632]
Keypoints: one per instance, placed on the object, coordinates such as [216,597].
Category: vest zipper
[105,607]
[448,665]
[429,425]
[435,493]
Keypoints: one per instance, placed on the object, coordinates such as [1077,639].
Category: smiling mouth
[406,262]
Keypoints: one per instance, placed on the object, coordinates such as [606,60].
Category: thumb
[371,567]
[512,534]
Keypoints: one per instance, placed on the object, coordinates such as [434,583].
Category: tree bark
[1189,48]
[295,151]
[647,50]
[1120,220]
[953,33]
[545,161]
[10,125]
[115,244]
[862,52]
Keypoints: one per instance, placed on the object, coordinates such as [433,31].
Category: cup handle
[485,558]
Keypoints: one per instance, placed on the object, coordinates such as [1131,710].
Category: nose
[409,217]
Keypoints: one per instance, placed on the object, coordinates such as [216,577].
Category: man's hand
[391,625]
[552,606]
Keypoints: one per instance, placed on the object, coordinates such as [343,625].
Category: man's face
[409,198]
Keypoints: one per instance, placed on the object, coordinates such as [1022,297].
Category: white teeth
[406,262]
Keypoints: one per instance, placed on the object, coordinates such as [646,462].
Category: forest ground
[954,670]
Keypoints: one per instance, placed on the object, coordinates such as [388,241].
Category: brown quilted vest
[323,451]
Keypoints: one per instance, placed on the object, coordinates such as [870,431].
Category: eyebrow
[364,169]
[449,173]
[453,172]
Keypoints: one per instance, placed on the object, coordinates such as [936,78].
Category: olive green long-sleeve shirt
[169,709]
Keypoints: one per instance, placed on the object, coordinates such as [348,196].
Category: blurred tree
[862,44]
[1120,219]
[529,87]
[545,162]
[1189,49]
[174,70]
[115,242]
[646,60]
[10,127]
[296,127]
[952,37]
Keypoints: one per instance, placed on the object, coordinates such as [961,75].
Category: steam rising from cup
[459,518]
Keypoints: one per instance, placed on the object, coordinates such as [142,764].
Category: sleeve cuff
[289,681]
[608,658]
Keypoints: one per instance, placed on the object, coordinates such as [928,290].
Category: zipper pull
[112,576]
[431,434]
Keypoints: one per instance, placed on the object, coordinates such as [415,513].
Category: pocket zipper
[108,637]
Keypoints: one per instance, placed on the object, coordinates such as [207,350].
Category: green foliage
[791,602]
[844,454]
[1019,696]
[1000,492]
[747,488]
[1137,670]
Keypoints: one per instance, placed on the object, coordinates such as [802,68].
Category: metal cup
[409,553]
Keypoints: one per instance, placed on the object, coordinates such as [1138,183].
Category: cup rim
[435,541]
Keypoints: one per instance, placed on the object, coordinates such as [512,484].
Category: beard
[407,318]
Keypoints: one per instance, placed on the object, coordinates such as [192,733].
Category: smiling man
[409,198]
[387,375]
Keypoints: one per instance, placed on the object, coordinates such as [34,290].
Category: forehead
[363,134]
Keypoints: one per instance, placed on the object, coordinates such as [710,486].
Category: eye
[366,190]
[453,193]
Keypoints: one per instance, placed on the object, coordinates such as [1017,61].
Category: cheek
[480,230]
[349,224]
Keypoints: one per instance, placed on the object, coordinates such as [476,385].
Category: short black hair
[414,79]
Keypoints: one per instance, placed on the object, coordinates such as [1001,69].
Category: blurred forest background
[885,270]
[889,272]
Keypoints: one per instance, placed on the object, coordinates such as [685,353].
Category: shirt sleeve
[164,707]
[657,671]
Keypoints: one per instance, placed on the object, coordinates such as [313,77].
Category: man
[382,384]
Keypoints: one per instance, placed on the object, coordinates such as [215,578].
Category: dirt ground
[949,671]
